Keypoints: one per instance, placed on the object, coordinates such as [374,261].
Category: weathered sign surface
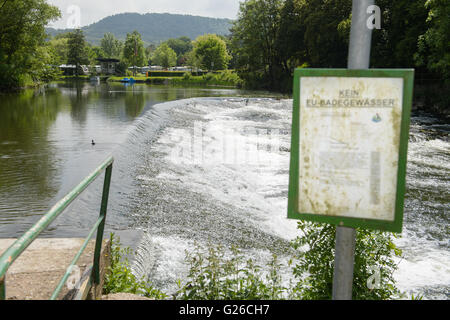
[348,154]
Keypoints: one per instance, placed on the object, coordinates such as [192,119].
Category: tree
[134,51]
[95,52]
[325,45]
[78,52]
[434,43]
[22,32]
[254,43]
[165,56]
[60,49]
[111,46]
[403,21]
[211,52]
[181,46]
[290,40]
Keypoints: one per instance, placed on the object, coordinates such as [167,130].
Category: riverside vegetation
[218,78]
[216,275]
[268,40]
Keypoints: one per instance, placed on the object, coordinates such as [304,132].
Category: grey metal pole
[360,36]
[358,58]
[343,263]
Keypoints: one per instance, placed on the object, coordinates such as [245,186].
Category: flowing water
[194,166]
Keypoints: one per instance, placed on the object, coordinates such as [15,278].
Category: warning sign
[348,154]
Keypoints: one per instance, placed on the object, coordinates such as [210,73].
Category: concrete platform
[37,272]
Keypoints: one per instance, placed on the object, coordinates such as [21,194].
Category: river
[193,165]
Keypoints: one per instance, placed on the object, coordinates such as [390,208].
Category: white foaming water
[235,152]
[241,163]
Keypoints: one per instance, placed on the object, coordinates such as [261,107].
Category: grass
[223,78]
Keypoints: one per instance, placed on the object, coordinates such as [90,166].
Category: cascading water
[217,172]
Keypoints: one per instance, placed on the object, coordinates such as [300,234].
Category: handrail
[16,249]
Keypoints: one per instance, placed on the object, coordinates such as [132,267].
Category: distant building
[135,69]
[185,68]
[97,69]
[70,69]
[108,65]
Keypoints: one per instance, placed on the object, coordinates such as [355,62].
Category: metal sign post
[358,58]
[349,147]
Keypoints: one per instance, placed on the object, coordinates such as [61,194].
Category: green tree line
[268,40]
[28,56]
[272,37]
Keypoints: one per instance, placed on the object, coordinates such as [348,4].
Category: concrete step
[37,272]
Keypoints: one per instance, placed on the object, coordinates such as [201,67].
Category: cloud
[91,11]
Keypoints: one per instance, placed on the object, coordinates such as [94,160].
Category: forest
[272,37]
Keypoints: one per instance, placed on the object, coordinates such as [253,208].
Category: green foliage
[213,276]
[120,279]
[315,265]
[402,23]
[170,74]
[78,51]
[164,56]
[22,32]
[59,48]
[228,76]
[434,44]
[121,68]
[111,46]
[180,45]
[218,274]
[134,51]
[45,64]
[187,76]
[210,52]
[94,53]
[272,37]
[254,43]
[209,76]
[326,47]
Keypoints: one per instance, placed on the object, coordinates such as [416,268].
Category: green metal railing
[16,249]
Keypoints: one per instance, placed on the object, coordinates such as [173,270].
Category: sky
[79,13]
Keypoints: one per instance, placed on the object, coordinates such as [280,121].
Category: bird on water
[93,143]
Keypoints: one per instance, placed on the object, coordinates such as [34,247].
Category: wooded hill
[154,27]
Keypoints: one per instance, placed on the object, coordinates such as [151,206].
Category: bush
[209,76]
[120,279]
[187,76]
[229,76]
[212,276]
[315,267]
[121,68]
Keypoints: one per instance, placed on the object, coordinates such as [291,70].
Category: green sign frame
[293,197]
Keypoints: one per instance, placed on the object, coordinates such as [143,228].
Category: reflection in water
[27,166]
[78,101]
[134,103]
[45,145]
